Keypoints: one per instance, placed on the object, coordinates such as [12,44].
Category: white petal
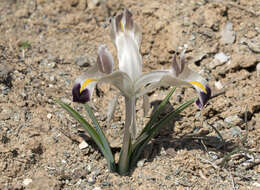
[105,60]
[126,36]
[124,23]
[130,60]
[120,80]
[150,78]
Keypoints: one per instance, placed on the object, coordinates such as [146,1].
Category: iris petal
[105,60]
[126,36]
[180,75]
[204,97]
[81,97]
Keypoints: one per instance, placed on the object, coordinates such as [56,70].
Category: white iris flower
[129,79]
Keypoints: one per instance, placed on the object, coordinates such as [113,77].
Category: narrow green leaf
[150,133]
[100,132]
[91,131]
[244,140]
[155,115]
[218,133]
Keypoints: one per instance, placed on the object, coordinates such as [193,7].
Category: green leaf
[91,131]
[25,45]
[159,109]
[148,135]
[100,132]
[154,116]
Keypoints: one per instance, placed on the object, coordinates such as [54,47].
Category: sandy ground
[46,44]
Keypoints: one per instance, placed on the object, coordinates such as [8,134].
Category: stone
[218,85]
[258,69]
[233,119]
[53,79]
[83,145]
[91,180]
[51,65]
[140,163]
[235,132]
[228,35]
[49,115]
[26,182]
[219,59]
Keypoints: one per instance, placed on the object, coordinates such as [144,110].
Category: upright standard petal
[127,36]
[124,23]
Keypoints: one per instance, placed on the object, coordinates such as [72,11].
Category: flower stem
[129,128]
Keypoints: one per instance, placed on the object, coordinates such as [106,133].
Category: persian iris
[129,79]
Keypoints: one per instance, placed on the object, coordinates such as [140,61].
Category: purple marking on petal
[183,61]
[104,60]
[117,22]
[201,102]
[82,97]
[175,66]
[129,23]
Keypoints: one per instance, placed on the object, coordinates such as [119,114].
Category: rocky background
[46,44]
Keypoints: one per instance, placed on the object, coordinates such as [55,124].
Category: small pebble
[140,163]
[235,132]
[213,155]
[88,167]
[222,57]
[51,65]
[228,36]
[91,180]
[219,59]
[49,115]
[256,184]
[163,152]
[83,145]
[27,181]
[53,78]
[97,188]
[218,85]
[258,69]
[233,119]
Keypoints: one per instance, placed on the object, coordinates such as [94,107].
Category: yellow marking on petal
[122,26]
[198,84]
[85,83]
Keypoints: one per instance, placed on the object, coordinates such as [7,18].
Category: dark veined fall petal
[81,97]
[204,97]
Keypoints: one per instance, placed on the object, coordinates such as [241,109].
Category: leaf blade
[99,131]
[155,115]
[147,136]
[90,130]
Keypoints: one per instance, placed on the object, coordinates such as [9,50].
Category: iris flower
[129,79]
